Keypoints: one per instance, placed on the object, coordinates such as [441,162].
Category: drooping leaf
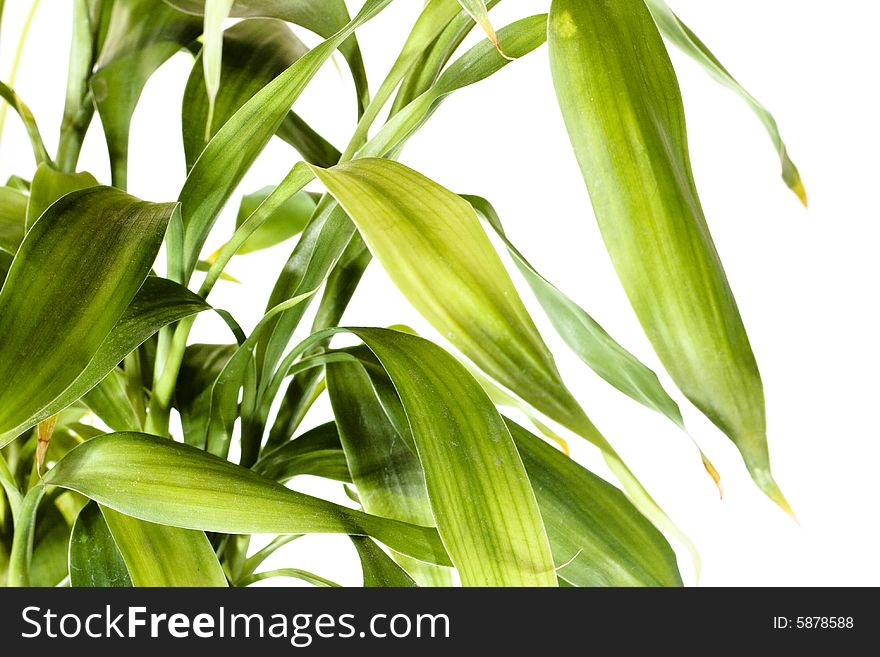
[255,52]
[387,473]
[431,244]
[95,561]
[233,149]
[584,335]
[622,106]
[27,118]
[49,185]
[140,476]
[681,35]
[99,243]
[379,569]
[323,17]
[157,555]
[480,495]
[141,36]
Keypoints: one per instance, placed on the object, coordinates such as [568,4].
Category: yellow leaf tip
[801,192]
[716,477]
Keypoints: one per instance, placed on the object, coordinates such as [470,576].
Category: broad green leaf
[157,555]
[323,17]
[229,155]
[623,110]
[49,185]
[141,476]
[286,221]
[379,569]
[681,35]
[598,537]
[77,271]
[584,335]
[109,400]
[477,64]
[141,36]
[317,452]
[480,495]
[158,303]
[431,244]
[255,52]
[95,561]
[387,473]
[13,211]
[216,11]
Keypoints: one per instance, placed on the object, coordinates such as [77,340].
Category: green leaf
[13,210]
[75,274]
[255,52]
[623,110]
[295,573]
[387,473]
[216,11]
[49,185]
[141,36]
[30,123]
[379,569]
[317,452]
[229,155]
[95,561]
[681,35]
[476,9]
[109,400]
[141,476]
[323,17]
[51,537]
[584,335]
[598,537]
[202,364]
[480,495]
[431,244]
[284,222]
[156,555]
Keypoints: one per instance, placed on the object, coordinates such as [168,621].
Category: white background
[805,280]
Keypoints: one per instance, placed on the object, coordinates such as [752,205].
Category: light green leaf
[480,495]
[141,476]
[30,123]
[284,222]
[317,452]
[681,35]
[156,555]
[109,400]
[476,9]
[49,185]
[623,110]
[75,274]
[216,11]
[95,560]
[431,244]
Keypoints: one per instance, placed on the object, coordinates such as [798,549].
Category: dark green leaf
[95,560]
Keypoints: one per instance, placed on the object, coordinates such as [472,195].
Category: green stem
[23,538]
[166,381]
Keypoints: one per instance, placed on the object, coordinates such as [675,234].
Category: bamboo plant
[100,488]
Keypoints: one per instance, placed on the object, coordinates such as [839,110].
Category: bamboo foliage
[98,487]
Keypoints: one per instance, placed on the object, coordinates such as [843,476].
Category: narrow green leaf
[317,452]
[49,185]
[255,52]
[598,537]
[323,17]
[379,569]
[623,110]
[480,495]
[27,118]
[141,476]
[295,573]
[156,555]
[216,11]
[431,244]
[681,35]
[476,9]
[95,561]
[109,400]
[99,244]
[386,471]
[233,149]
[141,36]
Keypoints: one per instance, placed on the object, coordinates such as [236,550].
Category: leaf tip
[800,191]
